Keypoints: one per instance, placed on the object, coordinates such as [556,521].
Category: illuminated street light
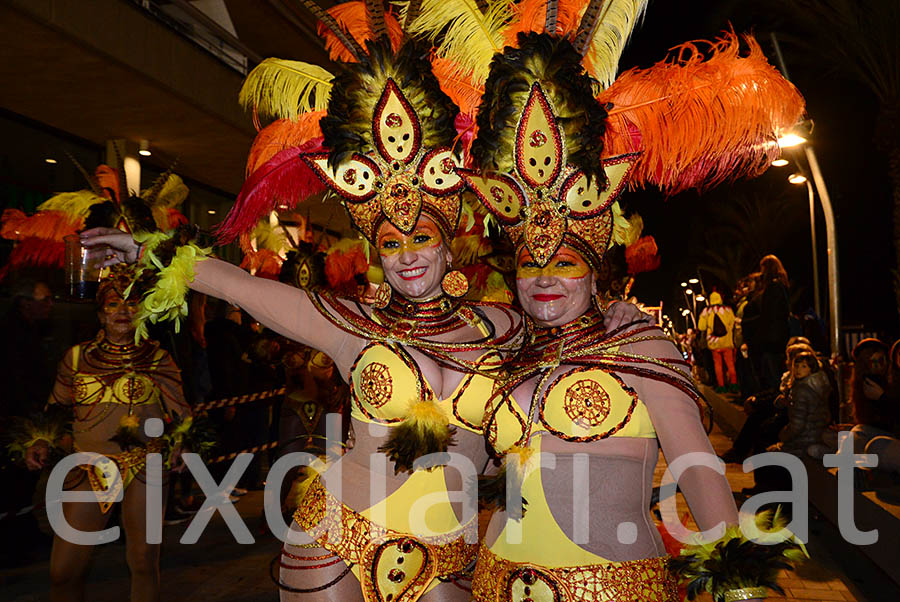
[797,178]
[780,162]
[790,139]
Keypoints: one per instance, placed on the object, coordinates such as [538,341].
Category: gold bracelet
[746,593]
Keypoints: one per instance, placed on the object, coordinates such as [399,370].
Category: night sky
[854,170]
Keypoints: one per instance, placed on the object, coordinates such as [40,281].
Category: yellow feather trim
[283,89]
[468,37]
[168,298]
[517,458]
[426,415]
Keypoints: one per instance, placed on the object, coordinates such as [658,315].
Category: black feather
[554,64]
[347,128]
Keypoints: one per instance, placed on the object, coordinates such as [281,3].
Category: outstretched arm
[280,307]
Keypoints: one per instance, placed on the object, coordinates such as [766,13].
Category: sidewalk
[837,570]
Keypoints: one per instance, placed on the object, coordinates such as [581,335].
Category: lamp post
[801,179]
[834,306]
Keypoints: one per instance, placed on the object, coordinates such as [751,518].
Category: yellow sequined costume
[98,376]
[393,551]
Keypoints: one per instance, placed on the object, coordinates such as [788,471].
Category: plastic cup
[83,267]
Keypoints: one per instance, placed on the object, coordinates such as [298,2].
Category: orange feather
[461,90]
[108,179]
[701,117]
[282,134]
[46,225]
[353,19]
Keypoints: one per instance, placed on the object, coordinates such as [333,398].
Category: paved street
[217,569]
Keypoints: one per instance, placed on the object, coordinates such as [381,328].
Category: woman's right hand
[36,455]
[123,248]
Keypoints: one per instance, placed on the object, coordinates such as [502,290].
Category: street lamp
[817,303]
[834,304]
[789,139]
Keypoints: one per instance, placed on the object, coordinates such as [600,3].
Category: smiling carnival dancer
[556,146]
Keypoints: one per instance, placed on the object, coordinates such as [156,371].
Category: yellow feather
[172,194]
[74,203]
[616,21]
[469,37]
[269,237]
[283,89]
[626,230]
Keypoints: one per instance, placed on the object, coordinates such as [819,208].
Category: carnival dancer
[415,361]
[112,386]
[600,401]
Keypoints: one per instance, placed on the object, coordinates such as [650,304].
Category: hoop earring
[455,284]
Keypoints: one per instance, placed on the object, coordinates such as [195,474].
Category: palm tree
[862,39]
[742,230]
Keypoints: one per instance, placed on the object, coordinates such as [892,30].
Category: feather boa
[167,299]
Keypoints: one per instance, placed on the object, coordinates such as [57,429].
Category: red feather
[283,179]
[642,256]
[35,252]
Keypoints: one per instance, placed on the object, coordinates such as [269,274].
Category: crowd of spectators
[789,386]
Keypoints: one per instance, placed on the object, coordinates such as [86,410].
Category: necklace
[584,342]
[413,323]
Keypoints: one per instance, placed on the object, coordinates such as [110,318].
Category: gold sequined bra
[120,377]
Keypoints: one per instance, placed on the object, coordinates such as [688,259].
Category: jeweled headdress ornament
[541,140]
[385,144]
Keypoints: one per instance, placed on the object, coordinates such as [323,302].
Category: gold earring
[455,283]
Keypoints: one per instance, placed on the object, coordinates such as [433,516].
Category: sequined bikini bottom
[500,580]
[390,565]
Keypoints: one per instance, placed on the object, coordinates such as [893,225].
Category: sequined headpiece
[540,137]
[119,280]
[379,133]
[389,131]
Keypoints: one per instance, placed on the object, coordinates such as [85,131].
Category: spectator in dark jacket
[766,329]
[807,411]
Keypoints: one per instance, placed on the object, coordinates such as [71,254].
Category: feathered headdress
[384,145]
[105,202]
[560,137]
[121,280]
[540,137]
